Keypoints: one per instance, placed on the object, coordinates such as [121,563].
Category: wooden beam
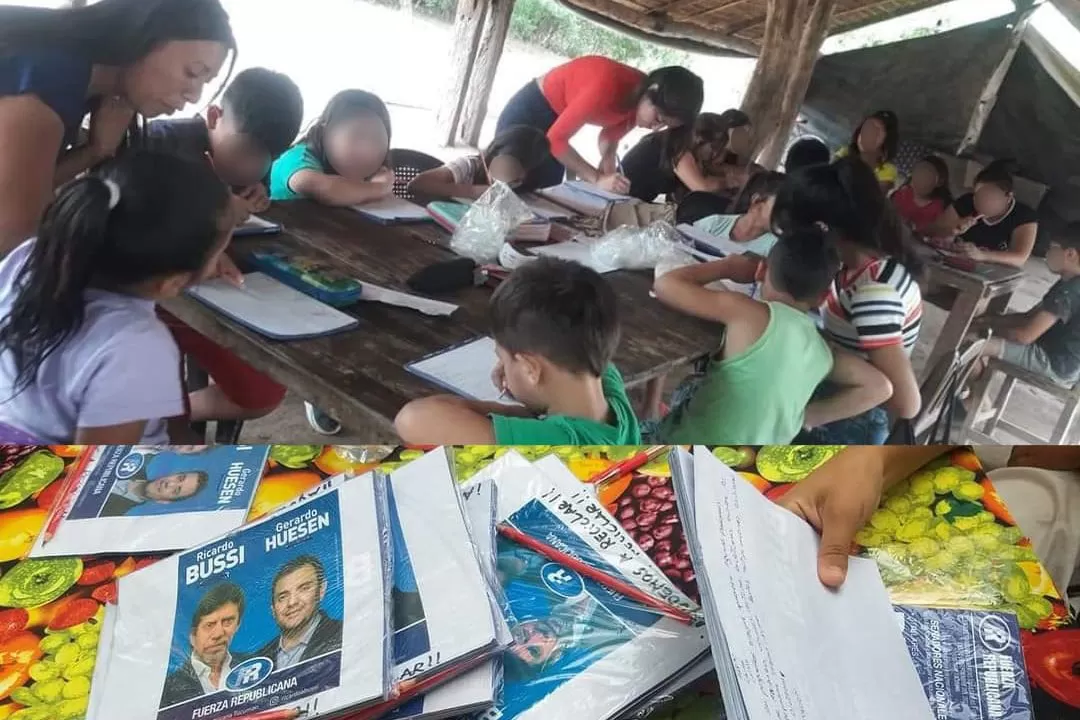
[837,25]
[492,41]
[1070,9]
[468,25]
[794,32]
[662,26]
[988,99]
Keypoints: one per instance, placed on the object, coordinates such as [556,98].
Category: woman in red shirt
[594,90]
[926,195]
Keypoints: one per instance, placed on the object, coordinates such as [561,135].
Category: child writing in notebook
[258,119]
[757,390]
[510,157]
[84,359]
[342,158]
[556,328]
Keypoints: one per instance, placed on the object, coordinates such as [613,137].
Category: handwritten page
[393,209]
[712,243]
[800,651]
[464,370]
[272,308]
[374,293]
[579,252]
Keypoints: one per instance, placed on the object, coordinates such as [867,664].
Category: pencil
[287,714]
[512,533]
[627,466]
[64,497]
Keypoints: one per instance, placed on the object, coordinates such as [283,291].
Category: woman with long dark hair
[594,90]
[874,306]
[875,142]
[679,161]
[113,60]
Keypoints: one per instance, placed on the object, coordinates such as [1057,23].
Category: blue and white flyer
[580,649]
[442,609]
[143,499]
[289,613]
[970,662]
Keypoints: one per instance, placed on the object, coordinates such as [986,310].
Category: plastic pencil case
[325,284]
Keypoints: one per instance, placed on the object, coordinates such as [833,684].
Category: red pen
[67,493]
[619,586]
[628,465]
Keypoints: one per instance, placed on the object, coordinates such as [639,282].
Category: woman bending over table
[594,90]
[990,224]
[112,60]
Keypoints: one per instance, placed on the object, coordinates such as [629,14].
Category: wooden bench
[993,418]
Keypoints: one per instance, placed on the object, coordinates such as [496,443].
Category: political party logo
[561,581]
[130,465]
[994,634]
[249,673]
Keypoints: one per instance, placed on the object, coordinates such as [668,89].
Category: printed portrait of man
[214,624]
[295,602]
[133,492]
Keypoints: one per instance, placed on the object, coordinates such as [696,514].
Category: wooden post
[988,99]
[794,33]
[468,24]
[492,40]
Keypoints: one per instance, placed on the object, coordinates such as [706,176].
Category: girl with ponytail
[84,358]
[874,305]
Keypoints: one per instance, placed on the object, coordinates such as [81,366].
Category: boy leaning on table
[556,327]
[1039,484]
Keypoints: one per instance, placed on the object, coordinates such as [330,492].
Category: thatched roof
[732,26]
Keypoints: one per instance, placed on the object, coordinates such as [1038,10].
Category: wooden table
[360,376]
[988,288]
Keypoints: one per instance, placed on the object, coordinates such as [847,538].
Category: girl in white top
[509,158]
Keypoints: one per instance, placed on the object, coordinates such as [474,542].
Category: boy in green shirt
[757,390]
[556,327]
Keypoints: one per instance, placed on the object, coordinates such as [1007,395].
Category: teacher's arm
[33,134]
[569,122]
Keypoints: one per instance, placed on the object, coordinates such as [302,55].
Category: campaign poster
[134,480]
[258,617]
[562,625]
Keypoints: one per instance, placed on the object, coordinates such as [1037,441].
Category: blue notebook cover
[970,662]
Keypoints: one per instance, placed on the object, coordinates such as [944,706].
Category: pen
[623,588]
[66,494]
[628,465]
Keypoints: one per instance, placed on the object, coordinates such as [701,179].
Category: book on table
[582,197]
[272,308]
[443,612]
[202,634]
[143,499]
[256,225]
[582,650]
[449,214]
[393,211]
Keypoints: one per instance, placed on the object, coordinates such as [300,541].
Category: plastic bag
[633,248]
[481,233]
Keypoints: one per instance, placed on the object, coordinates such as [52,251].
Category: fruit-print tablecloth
[941,537]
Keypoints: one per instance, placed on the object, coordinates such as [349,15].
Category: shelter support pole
[989,96]
[468,24]
[480,29]
[794,33]
[488,54]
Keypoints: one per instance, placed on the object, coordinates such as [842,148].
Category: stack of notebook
[449,215]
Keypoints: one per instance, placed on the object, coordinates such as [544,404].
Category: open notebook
[393,210]
[272,308]
[255,225]
[579,252]
[582,197]
[464,370]
[712,244]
